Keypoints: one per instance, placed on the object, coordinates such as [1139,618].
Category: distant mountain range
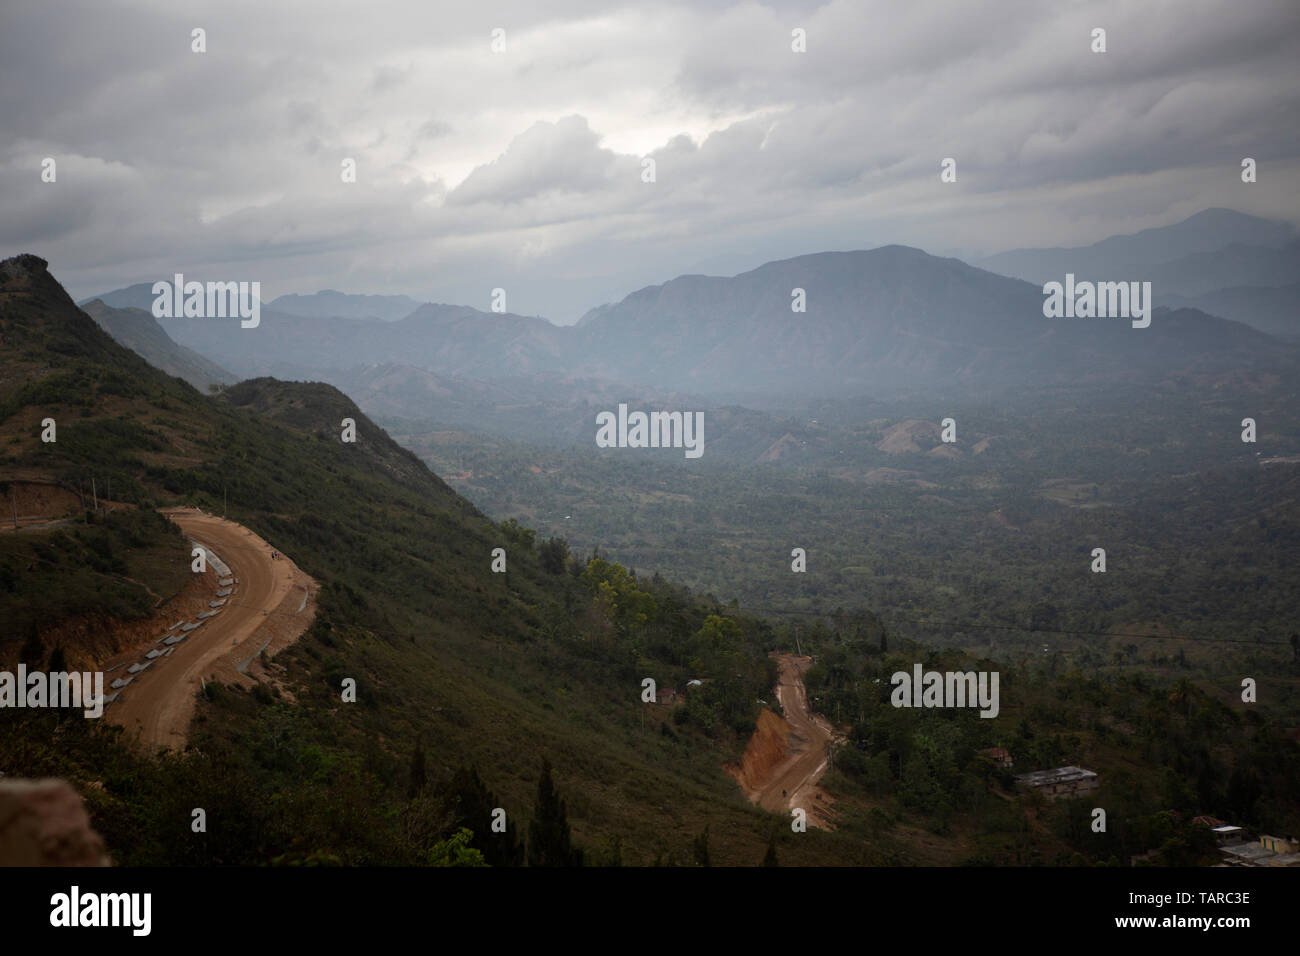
[449,339]
[893,317]
[883,319]
[1223,262]
[1206,232]
[1273,309]
[338,305]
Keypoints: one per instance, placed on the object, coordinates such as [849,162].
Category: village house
[1225,834]
[999,755]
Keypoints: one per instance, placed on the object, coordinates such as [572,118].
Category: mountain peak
[890,253]
[23,267]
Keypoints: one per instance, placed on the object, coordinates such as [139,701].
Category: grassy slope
[474,666]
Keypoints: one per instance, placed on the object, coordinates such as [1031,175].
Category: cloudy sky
[522,169]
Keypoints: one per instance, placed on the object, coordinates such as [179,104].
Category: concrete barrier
[213,561]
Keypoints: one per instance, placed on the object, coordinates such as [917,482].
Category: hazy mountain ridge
[881,319]
[889,317]
[339,305]
[1272,309]
[139,331]
[1236,264]
[1115,257]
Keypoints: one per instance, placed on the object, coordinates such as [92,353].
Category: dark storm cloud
[523,169]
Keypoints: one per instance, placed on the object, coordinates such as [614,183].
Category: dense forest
[985,544]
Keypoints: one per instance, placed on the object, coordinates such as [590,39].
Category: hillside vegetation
[519,690]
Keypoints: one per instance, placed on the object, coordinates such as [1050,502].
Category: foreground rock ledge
[44,823]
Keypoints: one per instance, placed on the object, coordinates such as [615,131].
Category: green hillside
[451,659]
[457,666]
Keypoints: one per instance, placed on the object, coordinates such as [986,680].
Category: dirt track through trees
[788,755]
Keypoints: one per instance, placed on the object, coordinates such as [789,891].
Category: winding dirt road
[267,609]
[787,756]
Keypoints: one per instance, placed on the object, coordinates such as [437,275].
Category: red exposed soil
[787,755]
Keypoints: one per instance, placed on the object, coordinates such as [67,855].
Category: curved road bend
[159,704]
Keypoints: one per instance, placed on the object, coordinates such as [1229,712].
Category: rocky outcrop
[21,268]
[44,823]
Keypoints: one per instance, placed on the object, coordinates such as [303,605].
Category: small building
[1060,782]
[1279,844]
[1228,835]
[1000,756]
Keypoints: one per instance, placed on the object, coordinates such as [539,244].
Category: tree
[770,858]
[701,848]
[517,534]
[456,851]
[471,806]
[718,646]
[548,832]
[419,775]
[555,555]
[616,595]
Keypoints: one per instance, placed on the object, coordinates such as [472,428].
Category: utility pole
[94,494]
[223,499]
[796,640]
[14,496]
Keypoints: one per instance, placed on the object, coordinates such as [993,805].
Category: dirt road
[267,608]
[787,756]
